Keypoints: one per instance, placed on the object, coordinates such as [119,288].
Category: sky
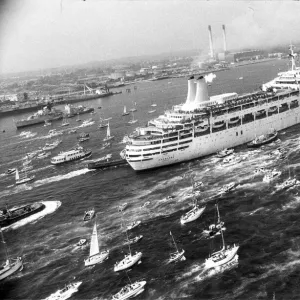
[40,34]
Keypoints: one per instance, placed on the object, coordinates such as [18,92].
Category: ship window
[241,131]
[185,142]
[237,134]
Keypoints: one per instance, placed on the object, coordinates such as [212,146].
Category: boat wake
[51,207]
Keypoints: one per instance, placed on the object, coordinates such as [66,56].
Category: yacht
[128,261]
[227,188]
[89,215]
[192,214]
[70,155]
[65,292]
[201,126]
[263,139]
[108,136]
[130,290]
[177,255]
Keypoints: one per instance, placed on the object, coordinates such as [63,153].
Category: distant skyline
[40,34]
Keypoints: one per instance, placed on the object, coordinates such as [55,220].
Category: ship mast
[174,241]
[219,219]
[292,55]
[3,241]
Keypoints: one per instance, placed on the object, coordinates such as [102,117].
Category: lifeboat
[202,128]
[234,120]
[260,112]
[272,109]
[218,124]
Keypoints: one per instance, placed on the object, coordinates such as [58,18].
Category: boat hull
[25,123]
[14,267]
[125,263]
[96,259]
[88,153]
[230,254]
[107,164]
[214,142]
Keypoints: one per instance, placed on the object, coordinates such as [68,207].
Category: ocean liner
[204,125]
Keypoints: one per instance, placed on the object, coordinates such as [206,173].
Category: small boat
[216,228]
[26,168]
[192,214]
[227,187]
[99,107]
[52,146]
[65,122]
[132,121]
[81,140]
[125,113]
[170,197]
[47,123]
[65,292]
[72,131]
[82,242]
[225,152]
[122,207]
[12,265]
[153,105]
[133,240]
[130,291]
[178,255]
[145,204]
[108,136]
[105,145]
[43,155]
[231,160]
[89,215]
[151,111]
[263,139]
[95,256]
[24,178]
[133,225]
[271,175]
[53,133]
[289,183]
[11,171]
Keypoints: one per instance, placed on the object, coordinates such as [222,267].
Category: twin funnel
[197,91]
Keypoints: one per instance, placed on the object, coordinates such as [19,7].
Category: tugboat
[11,265]
[263,139]
[10,216]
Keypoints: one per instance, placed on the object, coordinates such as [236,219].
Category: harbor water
[262,218]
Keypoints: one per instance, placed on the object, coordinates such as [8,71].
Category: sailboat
[216,228]
[129,259]
[108,136]
[95,256]
[134,107]
[291,181]
[192,214]
[130,290]
[11,265]
[24,178]
[65,122]
[125,113]
[132,121]
[178,255]
[151,111]
[223,256]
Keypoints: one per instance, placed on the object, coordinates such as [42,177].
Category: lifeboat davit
[202,128]
[234,120]
[218,124]
[272,109]
[260,112]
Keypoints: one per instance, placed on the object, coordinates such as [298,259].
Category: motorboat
[26,168]
[11,265]
[82,242]
[177,255]
[271,175]
[43,155]
[170,197]
[225,152]
[227,187]
[95,256]
[51,146]
[130,291]
[128,261]
[89,215]
[133,240]
[23,178]
[133,225]
[65,292]
[122,207]
[11,171]
[263,139]
[289,183]
[133,120]
[72,131]
[145,204]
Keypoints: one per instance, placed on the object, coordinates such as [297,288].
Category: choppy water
[261,217]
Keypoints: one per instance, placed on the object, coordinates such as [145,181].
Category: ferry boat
[189,131]
[70,155]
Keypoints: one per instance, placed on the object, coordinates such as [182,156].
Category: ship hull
[214,142]
[103,165]
[9,221]
[25,123]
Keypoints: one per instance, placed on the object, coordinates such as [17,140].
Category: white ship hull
[214,142]
[11,269]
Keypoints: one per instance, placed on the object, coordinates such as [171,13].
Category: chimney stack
[202,92]
[224,38]
[211,48]
[191,90]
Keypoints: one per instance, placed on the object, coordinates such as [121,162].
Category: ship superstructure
[204,125]
[289,79]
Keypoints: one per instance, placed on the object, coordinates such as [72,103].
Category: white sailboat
[125,113]
[132,121]
[108,136]
[223,256]
[192,214]
[24,178]
[11,265]
[134,107]
[95,256]
[129,260]
[65,122]
[178,255]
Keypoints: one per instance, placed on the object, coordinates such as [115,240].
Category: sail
[108,131]
[94,249]
[124,109]
[17,174]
